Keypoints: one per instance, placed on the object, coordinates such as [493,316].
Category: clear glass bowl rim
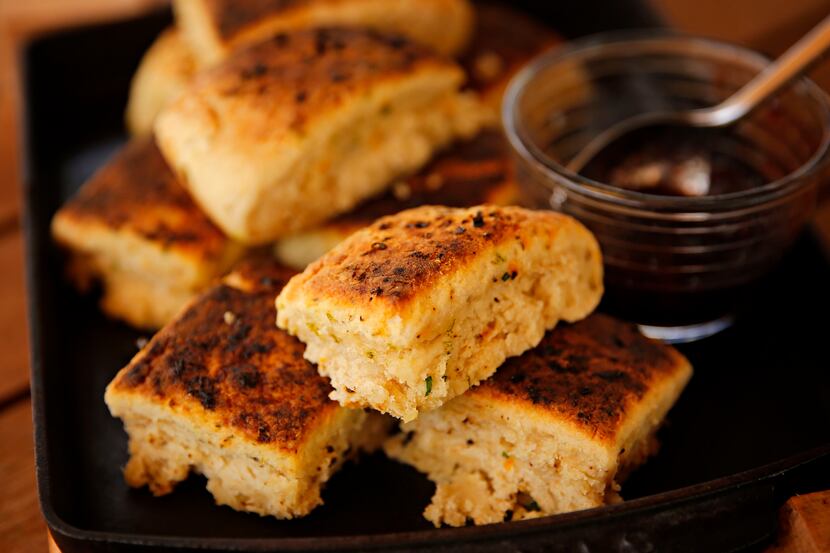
[579,184]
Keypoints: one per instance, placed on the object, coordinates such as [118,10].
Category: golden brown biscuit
[329,113]
[554,430]
[415,309]
[215,28]
[135,229]
[165,70]
[221,391]
[474,172]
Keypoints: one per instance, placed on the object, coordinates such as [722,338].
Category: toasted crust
[300,77]
[137,193]
[591,375]
[164,72]
[474,172]
[418,307]
[503,41]
[133,224]
[399,258]
[215,28]
[222,391]
[333,112]
[555,429]
[226,355]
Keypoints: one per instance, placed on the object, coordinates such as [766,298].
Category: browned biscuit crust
[226,355]
[589,374]
[134,229]
[294,78]
[399,257]
[137,192]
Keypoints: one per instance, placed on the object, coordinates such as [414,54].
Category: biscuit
[327,113]
[420,306]
[215,28]
[164,72]
[134,229]
[222,392]
[554,430]
[478,171]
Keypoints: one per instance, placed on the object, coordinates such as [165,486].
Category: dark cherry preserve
[675,161]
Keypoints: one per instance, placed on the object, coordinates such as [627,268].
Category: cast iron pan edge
[736,511]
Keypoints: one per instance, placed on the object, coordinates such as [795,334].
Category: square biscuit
[216,28]
[134,229]
[222,392]
[420,306]
[325,113]
[473,172]
[554,430]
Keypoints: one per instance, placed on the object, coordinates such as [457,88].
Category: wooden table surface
[771,27]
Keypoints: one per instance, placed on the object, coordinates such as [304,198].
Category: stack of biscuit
[472,326]
[305,220]
[356,141]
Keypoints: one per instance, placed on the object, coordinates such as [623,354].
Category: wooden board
[22,529]
[14,363]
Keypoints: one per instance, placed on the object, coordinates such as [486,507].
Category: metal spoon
[791,64]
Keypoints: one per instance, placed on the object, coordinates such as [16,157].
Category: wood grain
[19,21]
[14,364]
[22,529]
[9,138]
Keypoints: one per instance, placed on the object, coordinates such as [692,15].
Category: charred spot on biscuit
[257,70]
[246,376]
[202,388]
[584,363]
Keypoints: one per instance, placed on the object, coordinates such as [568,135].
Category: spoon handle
[795,60]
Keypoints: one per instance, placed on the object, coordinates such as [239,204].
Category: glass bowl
[677,265]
